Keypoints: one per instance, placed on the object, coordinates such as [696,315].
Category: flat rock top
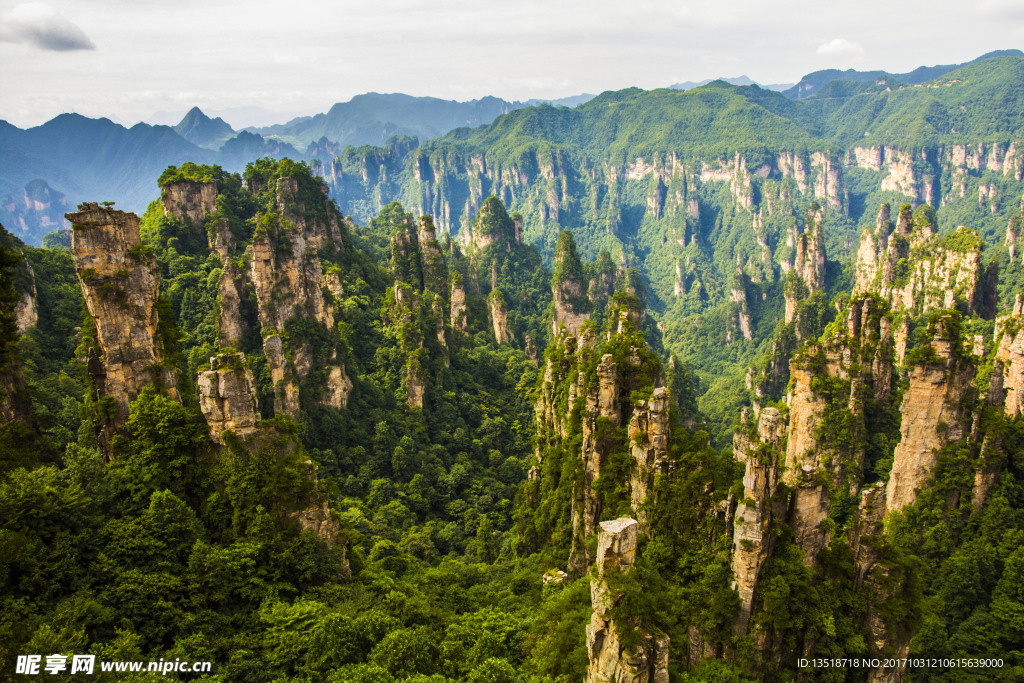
[617,526]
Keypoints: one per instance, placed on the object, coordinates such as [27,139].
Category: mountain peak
[201,130]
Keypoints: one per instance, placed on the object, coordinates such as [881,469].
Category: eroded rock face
[288,281]
[738,295]
[752,541]
[120,282]
[808,264]
[227,397]
[936,411]
[853,364]
[568,287]
[873,244]
[565,311]
[1008,371]
[499,317]
[458,307]
[190,202]
[810,253]
[916,270]
[435,270]
[232,289]
[610,659]
[324,523]
[26,312]
[648,444]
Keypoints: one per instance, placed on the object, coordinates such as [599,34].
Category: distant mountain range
[739,80]
[812,83]
[72,158]
[201,130]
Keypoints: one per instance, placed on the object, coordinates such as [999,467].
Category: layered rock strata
[120,283]
[936,409]
[288,280]
[752,539]
[611,660]
[227,397]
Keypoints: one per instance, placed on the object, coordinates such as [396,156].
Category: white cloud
[1003,9]
[841,48]
[44,27]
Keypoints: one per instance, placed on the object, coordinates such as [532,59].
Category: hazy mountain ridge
[812,83]
[201,130]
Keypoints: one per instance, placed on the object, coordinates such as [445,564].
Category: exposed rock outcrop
[568,286]
[459,321]
[1008,370]
[499,316]
[120,282]
[738,296]
[227,397]
[878,582]
[831,380]
[648,434]
[915,269]
[232,291]
[189,201]
[873,244]
[752,539]
[936,411]
[286,274]
[26,311]
[611,660]
[808,270]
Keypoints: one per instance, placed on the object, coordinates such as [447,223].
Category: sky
[127,60]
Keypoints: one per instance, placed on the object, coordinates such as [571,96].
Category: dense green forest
[698,428]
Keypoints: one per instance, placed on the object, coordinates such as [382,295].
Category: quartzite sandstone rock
[610,660]
[120,282]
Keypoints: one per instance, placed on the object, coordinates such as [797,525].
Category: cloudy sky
[129,59]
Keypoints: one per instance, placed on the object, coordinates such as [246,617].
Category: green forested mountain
[699,386]
[200,129]
[246,430]
[690,187]
[812,83]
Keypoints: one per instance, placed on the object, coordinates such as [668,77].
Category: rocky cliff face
[499,316]
[665,208]
[915,269]
[1008,370]
[807,273]
[26,311]
[648,434]
[289,282]
[831,382]
[459,321]
[807,469]
[606,395]
[936,411]
[232,292]
[752,538]
[227,397]
[611,660]
[568,287]
[738,296]
[189,201]
[120,282]
[33,210]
